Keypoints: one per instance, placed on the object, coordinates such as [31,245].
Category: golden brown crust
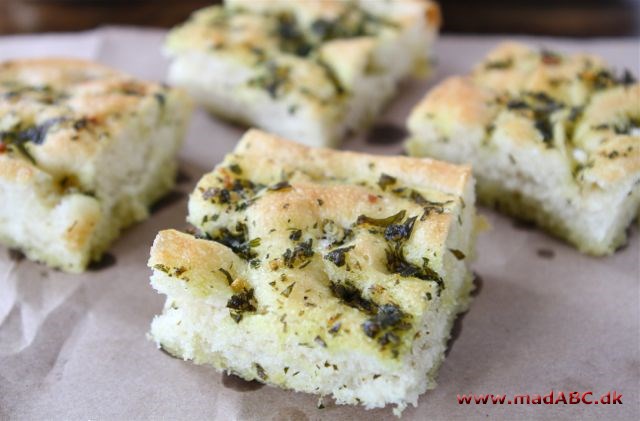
[257,145]
[458,99]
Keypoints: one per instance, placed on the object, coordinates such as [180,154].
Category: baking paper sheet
[545,317]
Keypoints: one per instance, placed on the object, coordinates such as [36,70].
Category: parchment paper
[74,347]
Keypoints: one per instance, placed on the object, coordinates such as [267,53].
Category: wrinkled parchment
[74,346]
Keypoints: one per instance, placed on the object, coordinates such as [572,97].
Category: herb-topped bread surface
[552,138]
[312,71]
[84,150]
[334,273]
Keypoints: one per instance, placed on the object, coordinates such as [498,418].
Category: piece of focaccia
[552,139]
[334,273]
[312,71]
[83,151]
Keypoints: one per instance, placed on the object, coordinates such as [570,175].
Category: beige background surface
[74,347]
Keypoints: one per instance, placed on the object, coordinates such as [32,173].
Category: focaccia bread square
[553,139]
[84,150]
[333,273]
[312,71]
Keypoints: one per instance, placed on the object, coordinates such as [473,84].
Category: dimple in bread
[84,150]
[552,138]
[333,273]
[312,71]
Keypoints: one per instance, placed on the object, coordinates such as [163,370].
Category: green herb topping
[300,255]
[385,181]
[397,235]
[260,372]
[386,321]
[283,185]
[241,303]
[237,241]
[384,222]
[34,134]
[337,256]
[227,275]
[295,235]
[499,64]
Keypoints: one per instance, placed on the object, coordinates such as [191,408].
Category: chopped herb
[237,241]
[604,79]
[539,106]
[81,123]
[320,341]
[575,113]
[292,40]
[499,64]
[388,338]
[299,255]
[397,235]
[288,290]
[295,235]
[517,104]
[260,371]
[160,98]
[273,80]
[334,233]
[235,168]
[322,28]
[332,76]
[227,275]
[546,130]
[34,134]
[320,202]
[386,180]
[38,133]
[351,296]
[388,319]
[337,256]
[241,303]
[400,232]
[305,264]
[217,195]
[283,185]
[384,222]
